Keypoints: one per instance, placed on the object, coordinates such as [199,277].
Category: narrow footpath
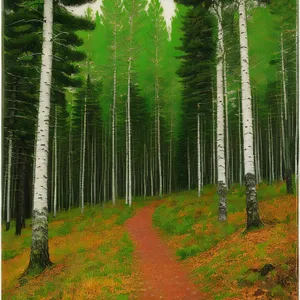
[164,277]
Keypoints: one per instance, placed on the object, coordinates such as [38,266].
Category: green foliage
[9,254]
[124,215]
[182,212]
[184,253]
[278,291]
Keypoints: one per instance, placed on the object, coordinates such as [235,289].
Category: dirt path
[163,276]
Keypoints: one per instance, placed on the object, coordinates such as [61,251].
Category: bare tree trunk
[129,134]
[253,218]
[55,164]
[227,163]
[9,180]
[222,181]
[39,255]
[288,170]
[214,140]
[71,196]
[240,145]
[83,157]
[113,174]
[189,164]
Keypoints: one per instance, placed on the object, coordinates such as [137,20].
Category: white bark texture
[39,248]
[222,182]
[42,139]
[220,103]
[246,93]
[253,218]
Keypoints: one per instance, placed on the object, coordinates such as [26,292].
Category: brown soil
[163,276]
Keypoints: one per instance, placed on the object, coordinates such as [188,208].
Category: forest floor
[225,262]
[116,253]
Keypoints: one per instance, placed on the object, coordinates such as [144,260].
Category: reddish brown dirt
[163,276]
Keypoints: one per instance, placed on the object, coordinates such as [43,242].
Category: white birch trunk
[39,255]
[226,119]
[221,164]
[253,219]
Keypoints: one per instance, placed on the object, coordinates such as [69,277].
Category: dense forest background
[104,147]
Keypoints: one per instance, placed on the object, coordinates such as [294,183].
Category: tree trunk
[9,181]
[227,160]
[55,164]
[129,135]
[288,169]
[113,174]
[70,156]
[253,218]
[20,193]
[189,164]
[198,154]
[213,140]
[83,157]
[222,186]
[39,254]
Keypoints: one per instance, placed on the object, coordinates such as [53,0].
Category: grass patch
[9,254]
[91,252]
[189,251]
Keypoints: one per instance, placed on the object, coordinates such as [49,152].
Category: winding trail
[163,276]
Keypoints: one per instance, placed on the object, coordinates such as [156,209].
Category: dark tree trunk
[289,181]
[20,194]
[253,219]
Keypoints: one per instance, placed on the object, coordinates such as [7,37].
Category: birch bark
[253,218]
[39,254]
[222,182]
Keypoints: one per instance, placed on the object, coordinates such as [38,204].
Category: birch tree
[39,255]
[253,218]
[222,182]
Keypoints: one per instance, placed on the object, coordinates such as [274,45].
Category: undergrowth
[91,252]
[226,263]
